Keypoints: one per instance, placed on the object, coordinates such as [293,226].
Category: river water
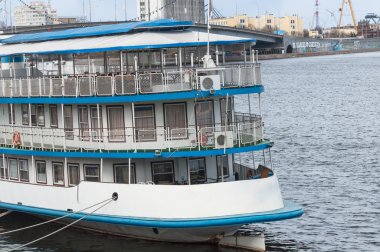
[323,114]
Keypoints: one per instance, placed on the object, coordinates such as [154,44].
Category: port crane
[345,2]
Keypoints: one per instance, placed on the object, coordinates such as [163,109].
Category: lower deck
[70,172]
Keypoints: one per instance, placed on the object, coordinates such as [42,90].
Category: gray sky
[105,9]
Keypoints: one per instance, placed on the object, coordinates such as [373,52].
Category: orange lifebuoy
[16,138]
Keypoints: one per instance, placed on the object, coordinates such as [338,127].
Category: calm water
[324,115]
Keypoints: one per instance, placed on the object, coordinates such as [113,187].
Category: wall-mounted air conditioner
[224,139]
[210,82]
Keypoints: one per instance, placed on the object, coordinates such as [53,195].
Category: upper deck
[144,61]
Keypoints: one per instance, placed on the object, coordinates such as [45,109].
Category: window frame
[53,173]
[19,169]
[135,131]
[163,162]
[205,168]
[196,114]
[99,137]
[11,112]
[9,168]
[44,162]
[186,135]
[68,174]
[84,172]
[110,140]
[65,128]
[4,168]
[218,173]
[22,114]
[133,168]
[50,115]
[222,107]
[36,114]
[82,135]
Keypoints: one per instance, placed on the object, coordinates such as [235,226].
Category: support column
[129,171]
[188,172]
[101,170]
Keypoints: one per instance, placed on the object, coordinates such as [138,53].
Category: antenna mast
[317,15]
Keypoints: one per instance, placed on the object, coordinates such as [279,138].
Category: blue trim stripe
[122,155]
[133,98]
[289,211]
[100,30]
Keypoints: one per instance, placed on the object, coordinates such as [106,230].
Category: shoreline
[315,54]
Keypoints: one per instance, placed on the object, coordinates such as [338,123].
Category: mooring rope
[56,219]
[63,228]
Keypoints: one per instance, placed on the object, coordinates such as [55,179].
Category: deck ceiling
[134,41]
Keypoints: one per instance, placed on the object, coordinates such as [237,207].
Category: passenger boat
[146,114]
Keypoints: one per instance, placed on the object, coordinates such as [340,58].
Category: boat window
[23,169]
[58,177]
[145,125]
[73,171]
[37,115]
[83,122]
[223,112]
[91,173]
[197,170]
[53,116]
[41,172]
[163,173]
[11,114]
[222,161]
[116,124]
[25,114]
[97,123]
[13,169]
[204,112]
[176,120]
[3,168]
[68,115]
[121,173]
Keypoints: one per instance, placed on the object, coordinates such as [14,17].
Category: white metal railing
[145,83]
[131,139]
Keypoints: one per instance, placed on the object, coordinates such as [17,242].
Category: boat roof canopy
[111,40]
[100,30]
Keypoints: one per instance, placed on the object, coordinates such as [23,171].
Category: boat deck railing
[186,79]
[132,139]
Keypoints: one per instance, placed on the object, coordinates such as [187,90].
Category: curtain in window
[53,116]
[40,115]
[13,169]
[204,114]
[222,161]
[83,122]
[175,120]
[24,170]
[68,115]
[145,128]
[97,123]
[116,124]
[121,174]
[3,168]
[25,114]
[41,172]
[58,174]
[73,174]
[91,173]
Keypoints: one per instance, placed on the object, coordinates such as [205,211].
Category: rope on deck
[56,219]
[63,228]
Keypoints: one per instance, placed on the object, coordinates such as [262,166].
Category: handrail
[159,138]
[186,79]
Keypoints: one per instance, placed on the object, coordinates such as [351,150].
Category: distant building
[67,20]
[291,25]
[188,10]
[36,14]
[368,30]
[343,32]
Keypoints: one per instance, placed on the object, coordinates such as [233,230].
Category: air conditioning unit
[210,82]
[224,139]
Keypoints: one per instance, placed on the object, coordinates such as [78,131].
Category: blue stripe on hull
[290,211]
[134,98]
[121,155]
